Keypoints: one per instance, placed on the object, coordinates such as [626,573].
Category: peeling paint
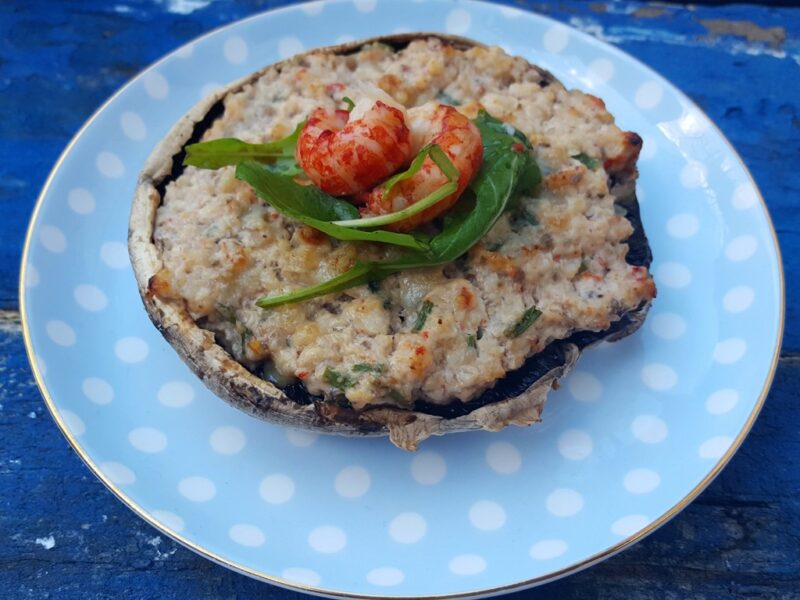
[46,542]
[184,7]
[623,34]
[649,12]
[10,321]
[774,36]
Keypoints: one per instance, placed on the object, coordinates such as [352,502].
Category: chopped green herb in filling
[527,319]
[472,341]
[422,316]
[336,379]
[369,368]
[588,161]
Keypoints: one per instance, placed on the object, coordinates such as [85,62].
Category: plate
[633,435]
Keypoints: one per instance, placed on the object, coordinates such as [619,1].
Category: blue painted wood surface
[62,535]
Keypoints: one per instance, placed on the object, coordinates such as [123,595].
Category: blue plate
[634,433]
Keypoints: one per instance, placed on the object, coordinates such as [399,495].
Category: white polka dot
[185,51]
[548,549]
[641,481]
[90,297]
[694,174]
[156,85]
[197,489]
[744,196]
[741,248]
[584,386]
[276,489]
[564,502]
[714,448]
[248,535]
[556,39]
[61,333]
[503,458]
[53,238]
[227,440]
[575,444]
[301,439]
[312,8]
[649,429]
[97,390]
[110,165]
[668,326]
[428,468]
[408,528]
[73,422]
[352,482]
[487,515]
[627,526]
[209,88]
[289,46]
[458,22]
[649,95]
[147,439]
[365,6]
[385,576]
[131,349]
[601,70]
[730,351]
[169,520]
[674,275]
[738,299]
[683,226]
[39,362]
[693,124]
[722,401]
[115,255]
[467,564]
[344,39]
[175,394]
[327,539]
[510,12]
[133,126]
[649,149]
[81,201]
[235,50]
[659,377]
[32,278]
[118,473]
[301,575]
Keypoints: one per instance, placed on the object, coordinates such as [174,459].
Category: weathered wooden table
[62,535]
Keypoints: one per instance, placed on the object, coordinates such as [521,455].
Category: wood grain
[64,536]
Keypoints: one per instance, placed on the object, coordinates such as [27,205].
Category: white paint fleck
[47,542]
[184,7]
[31,415]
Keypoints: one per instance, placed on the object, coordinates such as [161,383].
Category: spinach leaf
[337,380]
[369,368]
[231,151]
[310,205]
[508,171]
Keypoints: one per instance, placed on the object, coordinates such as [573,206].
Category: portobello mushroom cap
[518,398]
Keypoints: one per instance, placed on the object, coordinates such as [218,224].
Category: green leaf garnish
[310,205]
[232,151]
[422,316]
[508,171]
[349,103]
[588,161]
[369,368]
[442,161]
[337,380]
[527,319]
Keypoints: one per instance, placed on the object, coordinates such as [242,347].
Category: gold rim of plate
[553,575]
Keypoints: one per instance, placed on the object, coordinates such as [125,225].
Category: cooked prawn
[346,154]
[458,137]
